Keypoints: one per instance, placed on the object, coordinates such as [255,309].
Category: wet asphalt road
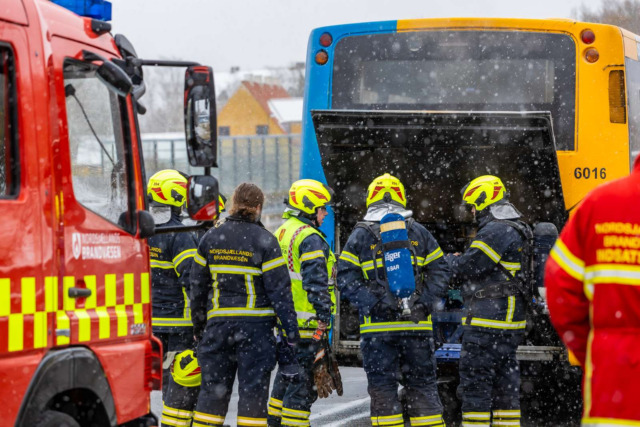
[352,409]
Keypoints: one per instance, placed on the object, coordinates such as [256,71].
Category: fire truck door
[105,284]
[23,308]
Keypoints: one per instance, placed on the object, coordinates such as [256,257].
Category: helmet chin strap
[311,217]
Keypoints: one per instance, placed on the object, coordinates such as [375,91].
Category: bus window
[460,71]
[633,95]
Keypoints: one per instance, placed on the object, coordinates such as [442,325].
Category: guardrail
[271,161]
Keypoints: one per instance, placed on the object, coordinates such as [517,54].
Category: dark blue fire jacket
[378,310]
[171,256]
[495,243]
[239,275]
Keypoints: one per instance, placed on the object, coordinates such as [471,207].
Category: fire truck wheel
[56,419]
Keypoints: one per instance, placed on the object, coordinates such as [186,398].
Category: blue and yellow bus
[550,106]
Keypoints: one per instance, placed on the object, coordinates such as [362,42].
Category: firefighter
[240,283]
[495,319]
[171,257]
[592,280]
[181,395]
[310,263]
[395,350]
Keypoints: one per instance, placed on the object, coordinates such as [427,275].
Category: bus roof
[551,24]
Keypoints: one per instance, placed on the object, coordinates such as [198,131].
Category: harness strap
[290,251]
[397,244]
[504,271]
[374,229]
[497,290]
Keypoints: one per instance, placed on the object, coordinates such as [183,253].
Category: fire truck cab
[75,314]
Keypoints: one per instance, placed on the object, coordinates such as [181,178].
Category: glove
[326,374]
[323,381]
[287,360]
[337,378]
[384,310]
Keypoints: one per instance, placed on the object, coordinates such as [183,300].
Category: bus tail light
[588,37]
[592,55]
[322,57]
[617,97]
[326,40]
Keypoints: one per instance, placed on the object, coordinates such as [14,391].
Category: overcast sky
[255,34]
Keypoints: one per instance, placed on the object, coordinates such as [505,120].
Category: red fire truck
[75,317]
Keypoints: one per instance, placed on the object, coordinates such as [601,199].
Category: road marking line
[342,422]
[337,409]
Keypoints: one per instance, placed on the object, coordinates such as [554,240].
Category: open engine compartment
[435,154]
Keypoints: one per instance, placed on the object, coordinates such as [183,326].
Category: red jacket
[593,292]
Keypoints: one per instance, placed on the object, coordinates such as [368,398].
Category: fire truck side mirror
[200,117]
[202,198]
[146,224]
[114,78]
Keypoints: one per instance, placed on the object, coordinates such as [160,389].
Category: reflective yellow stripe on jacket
[349,257]
[486,249]
[182,256]
[249,274]
[570,263]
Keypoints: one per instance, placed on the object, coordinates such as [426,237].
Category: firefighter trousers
[247,349]
[172,344]
[392,359]
[178,405]
[291,400]
[489,378]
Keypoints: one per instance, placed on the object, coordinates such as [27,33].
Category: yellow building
[247,111]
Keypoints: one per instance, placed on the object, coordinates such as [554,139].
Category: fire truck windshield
[96,142]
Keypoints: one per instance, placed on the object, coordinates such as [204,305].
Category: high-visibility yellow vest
[290,235]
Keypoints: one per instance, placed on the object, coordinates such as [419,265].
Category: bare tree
[291,78]
[623,13]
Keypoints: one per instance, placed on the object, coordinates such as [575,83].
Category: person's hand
[196,343]
[322,326]
[383,310]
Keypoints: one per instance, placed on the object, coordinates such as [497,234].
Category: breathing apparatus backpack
[536,246]
[400,271]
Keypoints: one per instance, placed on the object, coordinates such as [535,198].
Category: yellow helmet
[483,191]
[307,195]
[185,369]
[167,187]
[383,185]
